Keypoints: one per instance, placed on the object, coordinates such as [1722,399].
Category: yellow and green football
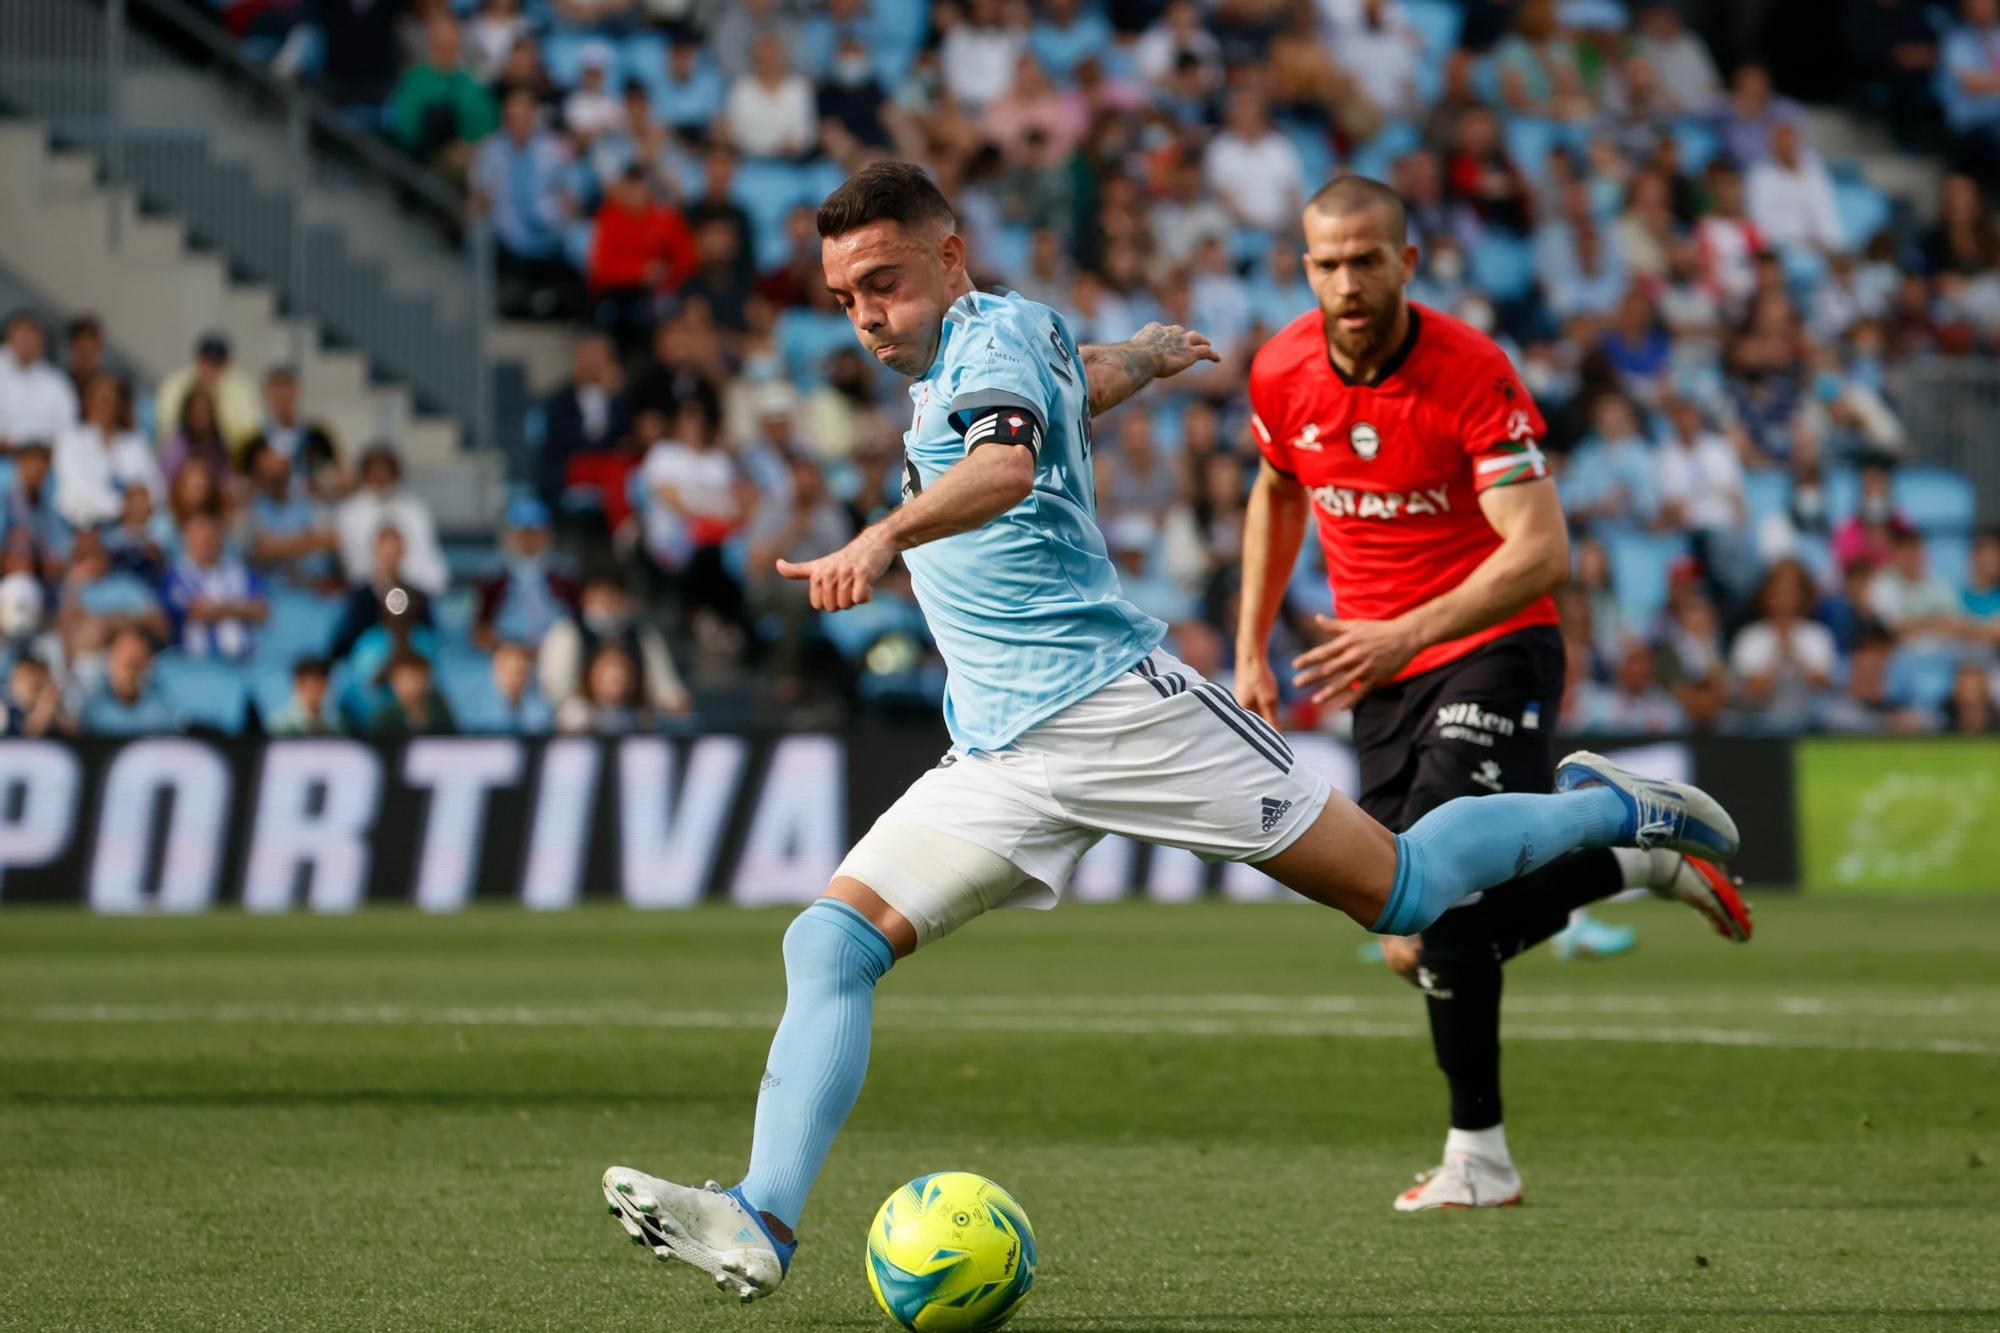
[951,1253]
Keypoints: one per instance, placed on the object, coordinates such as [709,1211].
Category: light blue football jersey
[1026,608]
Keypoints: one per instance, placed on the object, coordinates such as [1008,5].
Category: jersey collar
[1389,367]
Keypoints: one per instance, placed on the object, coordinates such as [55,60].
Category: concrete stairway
[156,293]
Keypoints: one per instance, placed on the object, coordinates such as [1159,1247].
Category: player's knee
[831,946]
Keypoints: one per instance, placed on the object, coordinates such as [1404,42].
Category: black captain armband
[1003,423]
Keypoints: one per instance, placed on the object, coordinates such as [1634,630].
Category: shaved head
[1345,195]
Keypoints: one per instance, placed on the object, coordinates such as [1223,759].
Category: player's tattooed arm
[1156,352]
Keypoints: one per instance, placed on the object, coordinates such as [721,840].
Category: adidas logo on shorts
[1273,812]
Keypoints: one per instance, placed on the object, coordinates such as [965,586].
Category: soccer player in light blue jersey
[1068,720]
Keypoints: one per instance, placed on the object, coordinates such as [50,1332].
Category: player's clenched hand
[1174,348]
[848,576]
[1257,688]
[1358,656]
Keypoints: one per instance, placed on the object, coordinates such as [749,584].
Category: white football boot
[713,1229]
[1464,1181]
[1704,886]
[1658,813]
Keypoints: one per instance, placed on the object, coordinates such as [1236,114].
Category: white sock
[1489,1144]
[1635,867]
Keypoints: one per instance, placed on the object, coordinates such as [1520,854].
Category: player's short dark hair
[310,668]
[1358,194]
[899,192]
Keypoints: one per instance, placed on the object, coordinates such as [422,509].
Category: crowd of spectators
[1712,316]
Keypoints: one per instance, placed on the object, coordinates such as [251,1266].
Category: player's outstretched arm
[980,487]
[1273,528]
[1156,352]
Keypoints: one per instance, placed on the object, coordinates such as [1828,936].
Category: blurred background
[398,368]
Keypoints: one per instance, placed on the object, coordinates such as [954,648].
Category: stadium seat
[1438,22]
[1815,552]
[1530,141]
[1640,562]
[301,624]
[1950,558]
[563,55]
[270,690]
[1504,266]
[1921,676]
[1379,155]
[1767,492]
[1698,144]
[1315,154]
[1864,210]
[1843,493]
[466,683]
[806,338]
[1938,500]
[642,59]
[203,691]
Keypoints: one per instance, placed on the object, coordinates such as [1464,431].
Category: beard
[1367,342]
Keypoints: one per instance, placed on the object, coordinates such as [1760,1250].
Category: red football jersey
[1395,468]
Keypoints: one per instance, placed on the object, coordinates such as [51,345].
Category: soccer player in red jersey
[1410,440]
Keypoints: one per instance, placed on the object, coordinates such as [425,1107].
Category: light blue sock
[1474,843]
[833,958]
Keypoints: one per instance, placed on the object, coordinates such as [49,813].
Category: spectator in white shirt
[1791,196]
[1179,33]
[1381,52]
[1908,598]
[37,403]
[771,111]
[1701,487]
[1784,662]
[96,460]
[980,54]
[378,502]
[1254,168]
[1189,214]
[593,107]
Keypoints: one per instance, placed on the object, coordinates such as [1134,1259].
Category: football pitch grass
[392,1121]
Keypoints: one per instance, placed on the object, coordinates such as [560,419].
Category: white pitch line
[1045,1024]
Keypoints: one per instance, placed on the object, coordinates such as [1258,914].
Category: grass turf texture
[397,1121]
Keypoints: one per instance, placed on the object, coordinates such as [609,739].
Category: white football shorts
[1160,754]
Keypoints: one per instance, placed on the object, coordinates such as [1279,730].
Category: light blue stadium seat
[1816,554]
[1843,493]
[642,59]
[452,613]
[807,337]
[1007,249]
[576,243]
[1315,154]
[201,690]
[1438,22]
[1378,157]
[270,691]
[1504,266]
[1921,677]
[301,624]
[1640,562]
[768,190]
[1936,499]
[1864,210]
[1950,558]
[466,684]
[563,55]
[1529,142]
[1766,491]
[1698,143]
